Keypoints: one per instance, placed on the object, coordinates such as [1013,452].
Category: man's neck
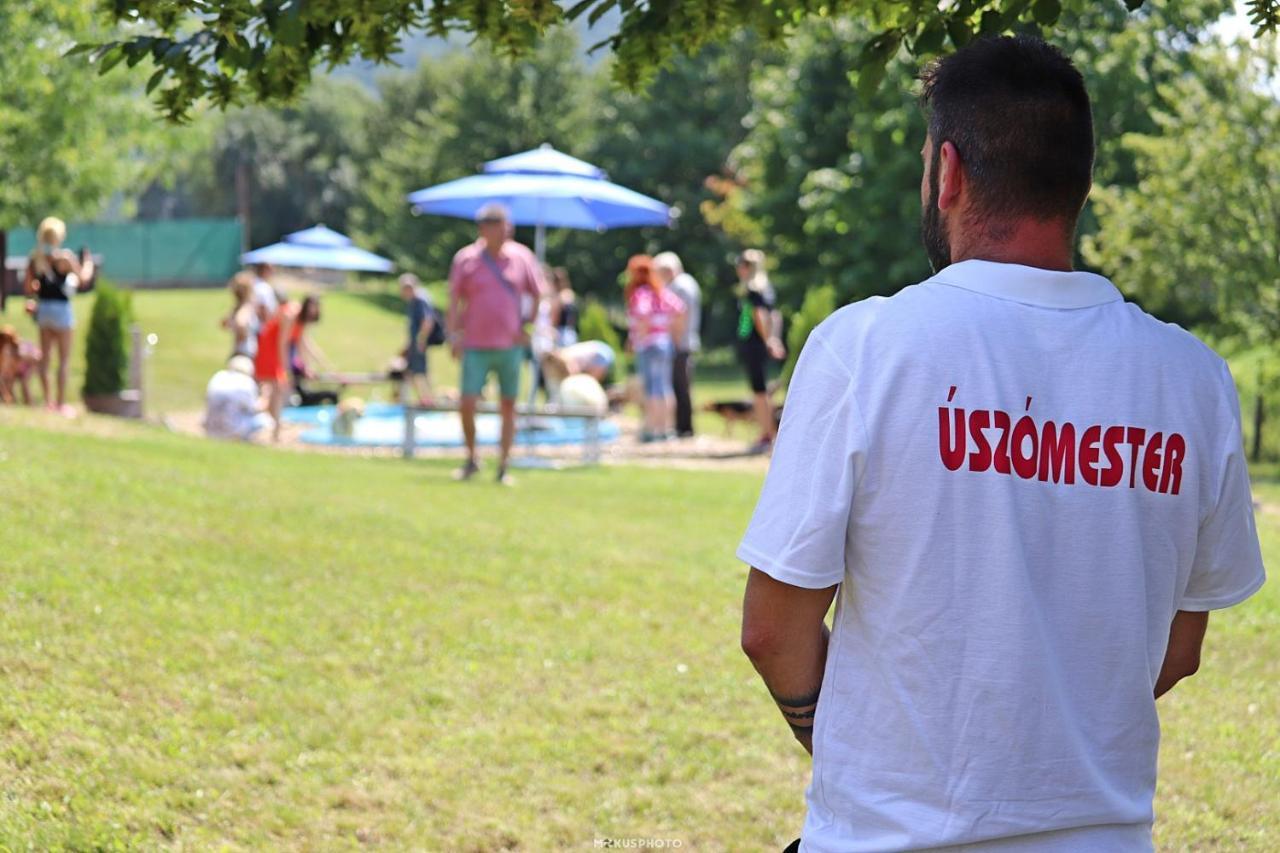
[494,249]
[1031,243]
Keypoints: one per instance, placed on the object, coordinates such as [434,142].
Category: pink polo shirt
[656,310]
[490,311]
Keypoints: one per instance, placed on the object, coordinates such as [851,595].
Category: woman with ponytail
[54,275]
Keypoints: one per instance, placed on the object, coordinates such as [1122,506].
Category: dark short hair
[1017,112]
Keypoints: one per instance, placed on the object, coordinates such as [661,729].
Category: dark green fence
[174,253]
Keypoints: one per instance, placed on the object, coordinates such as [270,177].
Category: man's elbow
[1187,664]
[759,639]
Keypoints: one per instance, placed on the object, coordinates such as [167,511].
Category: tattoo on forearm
[798,715]
[797,701]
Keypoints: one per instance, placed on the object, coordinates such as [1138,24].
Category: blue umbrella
[318,247]
[545,187]
[544,161]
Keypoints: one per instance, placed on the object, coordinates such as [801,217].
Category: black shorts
[755,358]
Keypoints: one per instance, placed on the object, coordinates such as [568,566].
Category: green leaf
[1047,12]
[289,30]
[869,78]
[577,9]
[598,12]
[930,39]
[959,31]
[110,58]
[992,23]
[155,80]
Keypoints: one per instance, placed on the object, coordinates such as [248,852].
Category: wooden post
[243,203]
[1259,414]
[410,436]
[137,358]
[4,268]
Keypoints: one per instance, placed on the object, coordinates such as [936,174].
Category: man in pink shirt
[495,285]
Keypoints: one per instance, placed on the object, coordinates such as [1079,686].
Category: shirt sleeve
[1228,563]
[799,530]
[675,303]
[455,277]
[535,281]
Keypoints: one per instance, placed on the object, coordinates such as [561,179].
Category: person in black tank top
[53,276]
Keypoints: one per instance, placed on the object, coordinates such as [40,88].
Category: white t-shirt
[231,405]
[1006,585]
[686,287]
[265,295]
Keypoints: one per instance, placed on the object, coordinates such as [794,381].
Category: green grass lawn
[209,645]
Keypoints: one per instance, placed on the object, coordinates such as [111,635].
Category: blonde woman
[54,275]
[243,321]
[758,339]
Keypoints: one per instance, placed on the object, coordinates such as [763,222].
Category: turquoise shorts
[477,364]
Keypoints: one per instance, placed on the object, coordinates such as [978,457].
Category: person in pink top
[655,317]
[495,285]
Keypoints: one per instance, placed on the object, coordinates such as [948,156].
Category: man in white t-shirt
[232,407]
[1024,495]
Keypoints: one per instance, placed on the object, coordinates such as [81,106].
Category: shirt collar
[479,244]
[1029,285]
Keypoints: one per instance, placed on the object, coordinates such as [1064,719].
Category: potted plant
[107,356]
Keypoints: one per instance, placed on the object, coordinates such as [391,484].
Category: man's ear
[950,176]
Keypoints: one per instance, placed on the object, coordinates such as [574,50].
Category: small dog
[349,411]
[738,411]
[19,360]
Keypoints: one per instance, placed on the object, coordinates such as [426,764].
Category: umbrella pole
[540,242]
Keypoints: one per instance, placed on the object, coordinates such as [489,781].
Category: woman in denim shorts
[655,316]
[54,275]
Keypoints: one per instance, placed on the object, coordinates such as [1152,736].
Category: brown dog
[738,411]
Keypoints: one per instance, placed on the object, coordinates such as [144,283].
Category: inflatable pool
[382,425]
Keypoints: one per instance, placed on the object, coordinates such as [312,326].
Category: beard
[933,231]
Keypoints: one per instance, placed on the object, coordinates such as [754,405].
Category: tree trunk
[244,205]
[1259,414]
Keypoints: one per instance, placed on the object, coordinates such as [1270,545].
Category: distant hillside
[417,47]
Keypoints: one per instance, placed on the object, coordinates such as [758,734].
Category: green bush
[594,325]
[818,305]
[106,349]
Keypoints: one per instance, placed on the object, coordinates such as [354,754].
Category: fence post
[137,356]
[410,439]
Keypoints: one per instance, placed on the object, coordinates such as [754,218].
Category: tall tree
[269,47]
[444,120]
[668,142]
[68,138]
[1196,238]
[829,178]
[303,163]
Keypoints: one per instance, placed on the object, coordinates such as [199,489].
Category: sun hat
[241,364]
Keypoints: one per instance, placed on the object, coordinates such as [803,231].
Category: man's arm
[1182,655]
[453,320]
[784,635]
